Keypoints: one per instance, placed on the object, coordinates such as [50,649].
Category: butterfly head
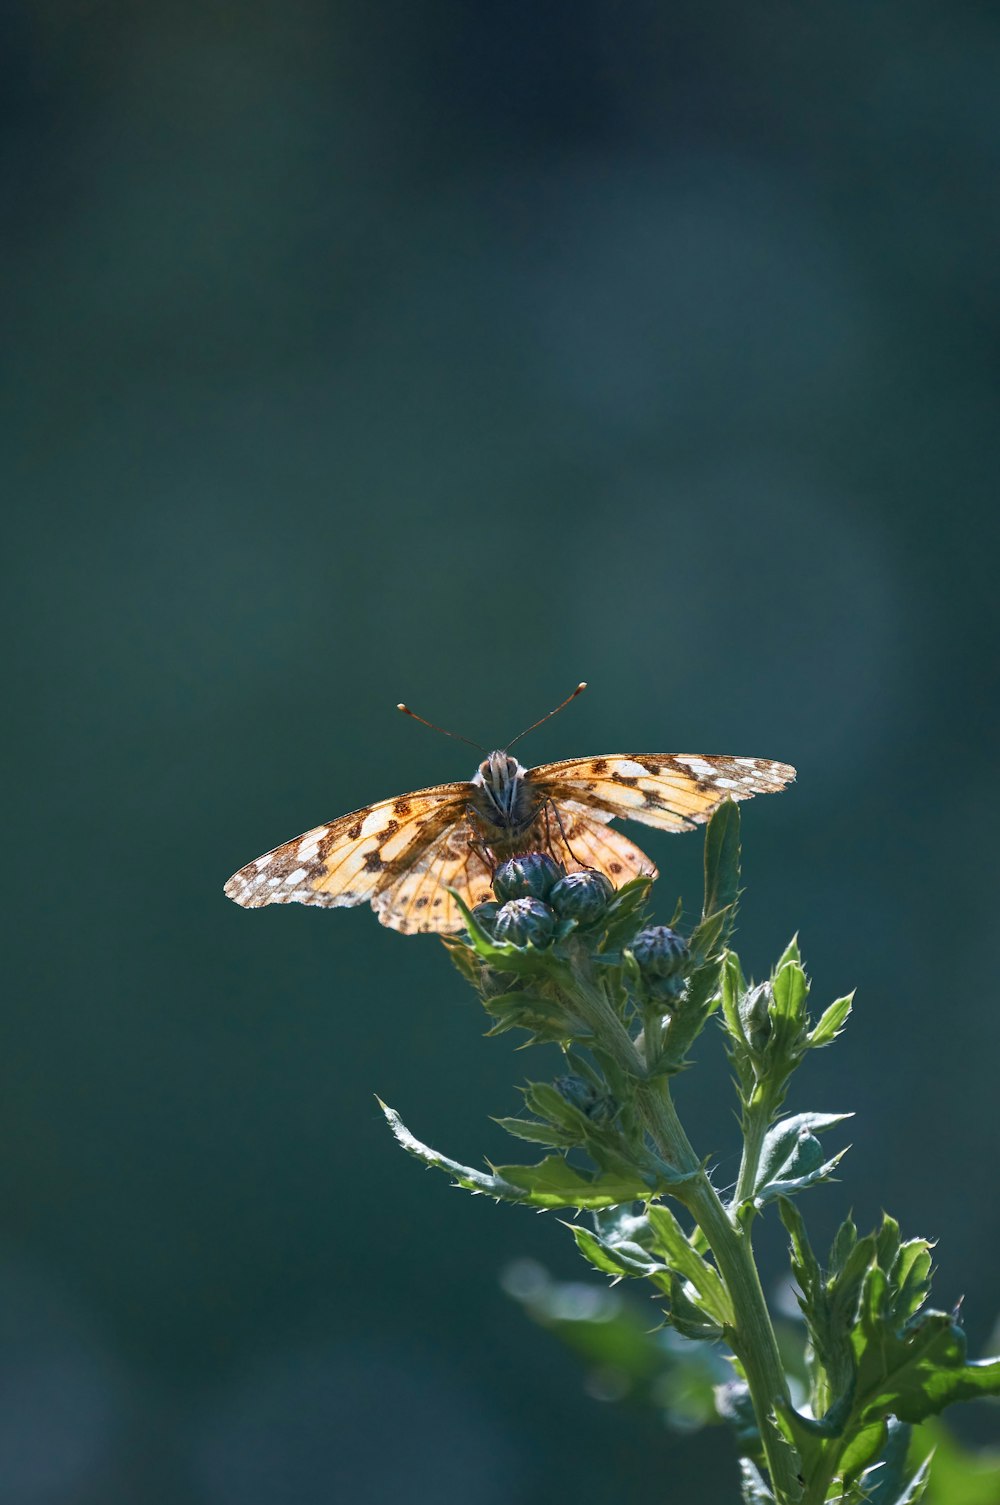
[500,777]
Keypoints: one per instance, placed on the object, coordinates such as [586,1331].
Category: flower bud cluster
[534,894]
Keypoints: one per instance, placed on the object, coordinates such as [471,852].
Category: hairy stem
[753,1340]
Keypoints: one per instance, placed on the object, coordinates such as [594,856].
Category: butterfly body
[403,855]
[502,802]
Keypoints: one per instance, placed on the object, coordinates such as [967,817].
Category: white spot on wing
[698,767]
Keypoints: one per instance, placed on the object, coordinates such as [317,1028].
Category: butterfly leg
[562,830]
[478,845]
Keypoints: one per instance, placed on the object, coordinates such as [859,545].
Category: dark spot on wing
[624,778]
[599,766]
[389,827]
[422,902]
[355,831]
[614,867]
[437,903]
[401,807]
[373,862]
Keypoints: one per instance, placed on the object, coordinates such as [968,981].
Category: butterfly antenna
[457,736]
[578,691]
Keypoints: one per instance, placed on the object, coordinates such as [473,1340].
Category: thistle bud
[659,951]
[485,914]
[583,1095]
[522,920]
[755,1015]
[583,897]
[532,875]
[661,956]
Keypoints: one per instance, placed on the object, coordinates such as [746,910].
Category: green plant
[577,966]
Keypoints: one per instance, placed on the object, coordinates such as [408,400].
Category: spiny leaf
[831,1022]
[614,1260]
[791,1157]
[672,1244]
[555,1183]
[722,859]
[464,1175]
[537,1133]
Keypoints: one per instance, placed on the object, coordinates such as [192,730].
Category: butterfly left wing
[350,860]
[672,791]
[418,899]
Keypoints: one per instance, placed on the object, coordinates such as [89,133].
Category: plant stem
[755,1125]
[752,1338]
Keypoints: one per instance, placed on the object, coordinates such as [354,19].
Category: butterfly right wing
[593,844]
[352,859]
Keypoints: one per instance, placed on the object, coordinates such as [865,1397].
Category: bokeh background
[455,353]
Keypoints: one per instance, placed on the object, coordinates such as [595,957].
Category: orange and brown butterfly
[403,855]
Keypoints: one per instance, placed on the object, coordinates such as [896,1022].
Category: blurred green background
[455,353]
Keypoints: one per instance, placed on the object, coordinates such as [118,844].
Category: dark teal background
[455,353]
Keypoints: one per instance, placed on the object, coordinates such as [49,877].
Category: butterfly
[403,855]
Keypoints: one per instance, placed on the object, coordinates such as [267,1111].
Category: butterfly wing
[418,898]
[585,841]
[672,791]
[351,860]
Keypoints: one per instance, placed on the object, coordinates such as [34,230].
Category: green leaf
[464,1175]
[546,1020]
[689,1317]
[548,1103]
[910,1279]
[707,938]
[538,1133]
[671,1243]
[843,1245]
[809,1438]
[805,1265]
[554,1183]
[733,986]
[790,954]
[792,1157]
[887,1241]
[831,1022]
[722,860]
[886,1482]
[790,990]
[863,1448]
[631,1261]
[464,958]
[915,1373]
